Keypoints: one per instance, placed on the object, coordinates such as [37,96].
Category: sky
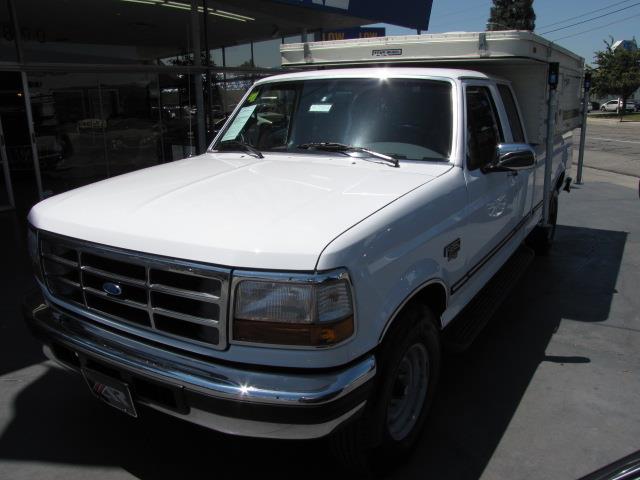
[583,39]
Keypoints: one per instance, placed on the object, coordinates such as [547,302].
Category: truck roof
[511,46]
[384,72]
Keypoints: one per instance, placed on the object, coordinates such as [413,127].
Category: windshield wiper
[341,147]
[243,146]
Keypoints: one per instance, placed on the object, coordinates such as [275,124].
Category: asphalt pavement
[550,390]
[611,145]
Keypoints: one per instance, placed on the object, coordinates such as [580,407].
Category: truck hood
[231,209]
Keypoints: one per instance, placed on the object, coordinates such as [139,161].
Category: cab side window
[512,113]
[484,132]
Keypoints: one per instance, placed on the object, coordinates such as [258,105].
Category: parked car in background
[616,105]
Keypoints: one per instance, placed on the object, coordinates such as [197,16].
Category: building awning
[162,25]
[407,13]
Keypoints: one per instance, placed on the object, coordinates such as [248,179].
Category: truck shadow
[481,389]
[56,420]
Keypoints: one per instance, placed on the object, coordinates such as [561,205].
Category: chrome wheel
[409,392]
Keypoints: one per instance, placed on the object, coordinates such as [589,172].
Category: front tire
[408,372]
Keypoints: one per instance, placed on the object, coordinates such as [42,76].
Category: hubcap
[409,392]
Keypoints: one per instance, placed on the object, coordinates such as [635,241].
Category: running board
[464,329]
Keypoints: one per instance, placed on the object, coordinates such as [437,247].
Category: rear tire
[408,370]
[542,237]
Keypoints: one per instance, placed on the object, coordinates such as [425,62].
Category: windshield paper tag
[238,123]
[321,107]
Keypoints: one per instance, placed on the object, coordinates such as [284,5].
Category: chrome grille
[160,298]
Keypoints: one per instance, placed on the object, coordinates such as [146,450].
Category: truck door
[517,134]
[495,198]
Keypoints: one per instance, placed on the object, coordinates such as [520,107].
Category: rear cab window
[484,131]
[512,113]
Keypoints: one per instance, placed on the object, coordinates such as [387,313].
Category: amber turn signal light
[276,333]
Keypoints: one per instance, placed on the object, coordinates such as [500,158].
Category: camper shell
[520,57]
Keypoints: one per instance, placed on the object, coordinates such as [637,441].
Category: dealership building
[93,89]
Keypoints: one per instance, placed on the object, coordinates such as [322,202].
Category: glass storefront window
[238,56]
[6,187]
[17,142]
[216,57]
[293,39]
[7,36]
[179,115]
[94,126]
[69,128]
[267,54]
[132,126]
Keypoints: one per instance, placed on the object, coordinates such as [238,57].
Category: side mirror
[512,157]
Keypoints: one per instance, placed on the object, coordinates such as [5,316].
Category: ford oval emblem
[112,288]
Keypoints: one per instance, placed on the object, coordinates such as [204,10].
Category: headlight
[34,252]
[317,311]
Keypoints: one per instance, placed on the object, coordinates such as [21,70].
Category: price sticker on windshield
[321,107]
[238,123]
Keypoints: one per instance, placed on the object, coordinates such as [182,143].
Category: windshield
[402,118]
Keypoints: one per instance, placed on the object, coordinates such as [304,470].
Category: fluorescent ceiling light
[234,14]
[144,2]
[179,6]
[182,6]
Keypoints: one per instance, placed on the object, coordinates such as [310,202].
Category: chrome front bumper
[239,400]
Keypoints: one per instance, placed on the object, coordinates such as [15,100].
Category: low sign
[350,33]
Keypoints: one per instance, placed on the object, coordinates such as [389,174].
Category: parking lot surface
[551,389]
[612,146]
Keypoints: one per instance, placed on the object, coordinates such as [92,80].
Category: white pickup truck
[301,277]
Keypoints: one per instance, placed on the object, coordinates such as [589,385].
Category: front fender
[395,252]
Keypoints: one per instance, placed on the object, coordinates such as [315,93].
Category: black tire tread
[358,443]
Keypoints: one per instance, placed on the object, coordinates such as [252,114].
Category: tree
[512,15]
[617,73]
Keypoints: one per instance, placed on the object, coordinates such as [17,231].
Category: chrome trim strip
[126,302]
[187,318]
[114,276]
[64,280]
[257,429]
[286,277]
[54,258]
[217,380]
[504,241]
[131,328]
[179,292]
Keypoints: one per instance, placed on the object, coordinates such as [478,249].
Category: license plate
[111,391]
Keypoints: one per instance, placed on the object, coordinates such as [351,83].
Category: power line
[597,28]
[585,14]
[591,19]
